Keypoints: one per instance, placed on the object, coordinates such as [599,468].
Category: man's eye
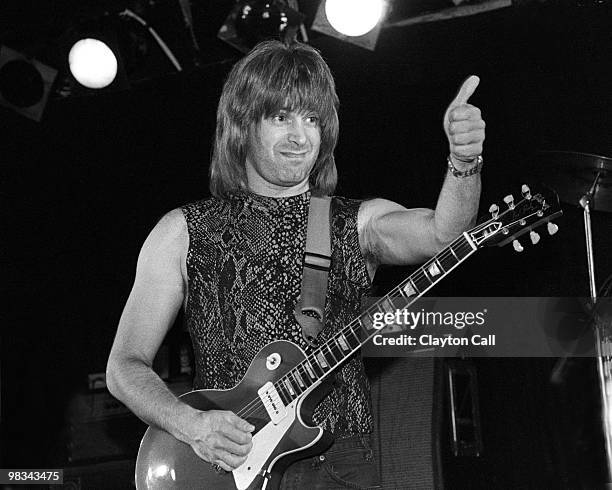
[280,118]
[313,119]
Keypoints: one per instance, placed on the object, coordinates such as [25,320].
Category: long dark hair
[271,77]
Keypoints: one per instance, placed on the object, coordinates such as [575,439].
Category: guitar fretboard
[323,360]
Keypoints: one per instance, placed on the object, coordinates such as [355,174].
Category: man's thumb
[467,90]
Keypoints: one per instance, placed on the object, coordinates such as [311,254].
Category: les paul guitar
[283,384]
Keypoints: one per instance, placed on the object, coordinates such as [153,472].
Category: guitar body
[166,463]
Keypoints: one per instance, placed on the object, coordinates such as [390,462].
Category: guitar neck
[326,358]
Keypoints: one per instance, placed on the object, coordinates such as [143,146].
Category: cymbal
[572,174]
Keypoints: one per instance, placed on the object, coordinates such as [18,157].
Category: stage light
[354,17]
[106,53]
[25,83]
[252,21]
[355,21]
[92,63]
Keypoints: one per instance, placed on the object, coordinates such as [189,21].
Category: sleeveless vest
[244,267]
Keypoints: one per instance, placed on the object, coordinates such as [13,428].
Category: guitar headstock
[518,218]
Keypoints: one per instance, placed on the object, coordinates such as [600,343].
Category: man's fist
[464,126]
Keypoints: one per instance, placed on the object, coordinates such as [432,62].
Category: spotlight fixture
[355,21]
[25,83]
[92,63]
[109,52]
[354,17]
[251,21]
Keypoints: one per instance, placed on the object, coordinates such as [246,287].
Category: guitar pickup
[273,403]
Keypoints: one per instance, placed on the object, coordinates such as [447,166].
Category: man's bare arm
[151,308]
[392,234]
[156,297]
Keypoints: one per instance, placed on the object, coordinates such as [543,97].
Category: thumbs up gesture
[464,126]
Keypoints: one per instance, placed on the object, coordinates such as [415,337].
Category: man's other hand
[222,438]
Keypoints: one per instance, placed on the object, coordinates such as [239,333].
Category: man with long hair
[234,261]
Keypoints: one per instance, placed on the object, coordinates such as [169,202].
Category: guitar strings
[256,405]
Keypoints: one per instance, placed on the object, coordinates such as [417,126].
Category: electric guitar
[283,383]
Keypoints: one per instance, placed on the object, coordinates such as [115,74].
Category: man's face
[282,151]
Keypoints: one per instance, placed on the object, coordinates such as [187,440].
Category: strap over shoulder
[310,308]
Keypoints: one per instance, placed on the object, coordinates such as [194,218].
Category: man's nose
[297,133]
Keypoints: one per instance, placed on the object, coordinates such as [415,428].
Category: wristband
[465,173]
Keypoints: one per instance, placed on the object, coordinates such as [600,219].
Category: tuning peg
[494,210]
[526,191]
[552,228]
[517,246]
[535,238]
[509,200]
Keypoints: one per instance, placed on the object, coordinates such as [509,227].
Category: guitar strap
[310,308]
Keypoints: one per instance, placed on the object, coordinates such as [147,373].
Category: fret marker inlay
[309,370]
[289,387]
[321,360]
[409,289]
[299,379]
[342,342]
[433,269]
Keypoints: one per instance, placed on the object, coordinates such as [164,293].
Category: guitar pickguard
[264,443]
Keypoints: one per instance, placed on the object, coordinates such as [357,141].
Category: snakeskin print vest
[244,267]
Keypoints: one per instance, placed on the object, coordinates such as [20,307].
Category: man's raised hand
[464,126]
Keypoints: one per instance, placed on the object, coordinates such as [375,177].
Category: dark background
[82,188]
